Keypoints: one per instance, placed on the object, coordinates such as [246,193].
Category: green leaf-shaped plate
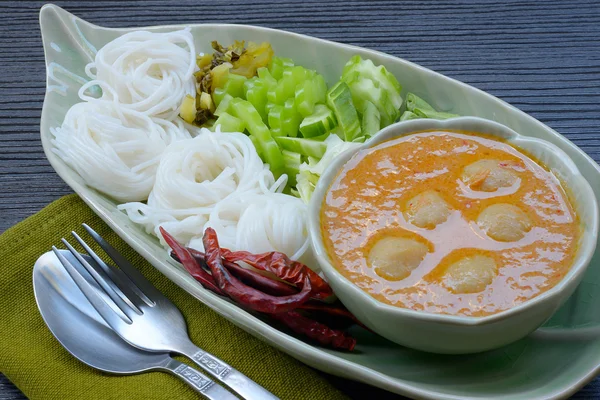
[553,362]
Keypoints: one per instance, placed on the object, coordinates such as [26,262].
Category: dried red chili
[284,268]
[252,289]
[244,294]
[251,278]
[331,310]
[316,330]
[190,263]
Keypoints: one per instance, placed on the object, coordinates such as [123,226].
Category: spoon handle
[198,381]
[225,373]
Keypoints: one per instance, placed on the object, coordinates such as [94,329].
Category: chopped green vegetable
[277,65]
[218,95]
[284,89]
[408,115]
[413,101]
[339,100]
[257,146]
[434,114]
[421,109]
[245,111]
[291,162]
[320,89]
[382,78]
[365,90]
[229,123]
[256,93]
[306,147]
[310,92]
[370,119]
[319,123]
[275,119]
[290,119]
[223,105]
[305,99]
[297,73]
[263,73]
[234,85]
[375,84]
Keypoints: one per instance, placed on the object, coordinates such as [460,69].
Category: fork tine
[132,273]
[101,281]
[105,311]
[116,275]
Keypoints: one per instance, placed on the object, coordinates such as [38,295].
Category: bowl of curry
[453,236]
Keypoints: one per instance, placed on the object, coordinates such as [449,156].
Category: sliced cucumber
[413,101]
[371,119]
[365,90]
[339,99]
[434,114]
[305,147]
[408,115]
[319,123]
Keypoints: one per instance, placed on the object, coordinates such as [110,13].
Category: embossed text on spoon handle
[199,382]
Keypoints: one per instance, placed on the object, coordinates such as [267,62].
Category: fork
[142,316]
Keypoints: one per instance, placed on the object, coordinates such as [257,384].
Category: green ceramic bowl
[459,334]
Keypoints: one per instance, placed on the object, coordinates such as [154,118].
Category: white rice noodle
[197,174]
[260,223]
[148,72]
[115,151]
[218,180]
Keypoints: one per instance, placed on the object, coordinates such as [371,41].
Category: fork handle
[234,379]
[198,381]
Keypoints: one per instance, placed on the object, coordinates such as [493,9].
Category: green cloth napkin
[34,360]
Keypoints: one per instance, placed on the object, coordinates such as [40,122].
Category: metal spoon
[83,333]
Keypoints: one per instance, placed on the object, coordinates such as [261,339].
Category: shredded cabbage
[311,172]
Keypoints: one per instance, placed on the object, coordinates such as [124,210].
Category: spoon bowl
[79,328]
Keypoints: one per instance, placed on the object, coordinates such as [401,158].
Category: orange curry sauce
[368,198]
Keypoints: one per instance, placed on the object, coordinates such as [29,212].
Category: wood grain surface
[541,56]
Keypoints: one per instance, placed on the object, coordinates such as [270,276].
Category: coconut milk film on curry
[449,222]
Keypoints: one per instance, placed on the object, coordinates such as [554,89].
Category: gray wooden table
[541,56]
